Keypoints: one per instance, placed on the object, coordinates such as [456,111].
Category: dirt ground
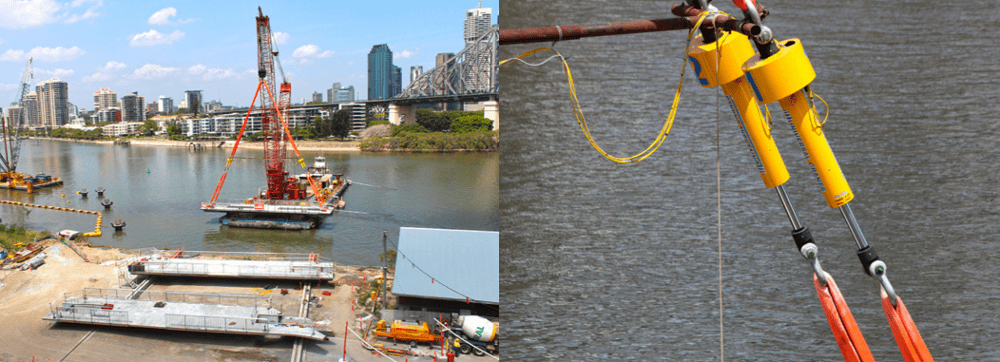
[25,299]
[27,295]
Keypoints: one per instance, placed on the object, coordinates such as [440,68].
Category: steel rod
[572,32]
[852,223]
[786,203]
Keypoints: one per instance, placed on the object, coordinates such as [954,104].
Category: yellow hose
[582,122]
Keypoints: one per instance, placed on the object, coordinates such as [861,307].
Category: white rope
[718,184]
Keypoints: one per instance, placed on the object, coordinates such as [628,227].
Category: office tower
[133,108]
[104,99]
[380,72]
[165,105]
[52,97]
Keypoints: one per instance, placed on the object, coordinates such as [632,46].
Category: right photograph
[749,180]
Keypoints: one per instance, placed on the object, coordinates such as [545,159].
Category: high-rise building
[30,104]
[380,72]
[193,97]
[415,72]
[331,94]
[165,105]
[16,115]
[106,115]
[52,97]
[318,97]
[72,110]
[104,99]
[397,81]
[133,108]
[477,23]
[345,94]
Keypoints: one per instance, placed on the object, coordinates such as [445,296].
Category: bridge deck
[260,269]
[214,318]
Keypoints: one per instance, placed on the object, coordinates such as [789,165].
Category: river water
[620,262]
[161,207]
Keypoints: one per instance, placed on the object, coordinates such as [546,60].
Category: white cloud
[106,72]
[280,38]
[153,71]
[310,51]
[153,37]
[57,54]
[163,16]
[27,14]
[43,54]
[77,3]
[197,69]
[113,65]
[12,55]
[87,15]
[214,73]
[22,14]
[44,74]
[403,54]
[218,73]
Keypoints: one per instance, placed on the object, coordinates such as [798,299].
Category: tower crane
[11,128]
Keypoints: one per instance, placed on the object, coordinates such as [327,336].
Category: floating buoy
[67,201]
[63,195]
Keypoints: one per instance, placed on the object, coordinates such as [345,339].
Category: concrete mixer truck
[476,331]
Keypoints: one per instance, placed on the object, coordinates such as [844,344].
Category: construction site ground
[26,296]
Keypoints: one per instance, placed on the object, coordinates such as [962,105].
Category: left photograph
[257,182]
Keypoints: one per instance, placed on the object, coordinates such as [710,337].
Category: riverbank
[325,146]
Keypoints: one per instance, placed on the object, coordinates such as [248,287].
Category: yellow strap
[582,122]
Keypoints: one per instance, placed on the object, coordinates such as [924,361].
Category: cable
[578,111]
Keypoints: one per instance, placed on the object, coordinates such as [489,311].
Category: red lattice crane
[274,114]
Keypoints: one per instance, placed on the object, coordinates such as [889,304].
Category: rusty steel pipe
[572,32]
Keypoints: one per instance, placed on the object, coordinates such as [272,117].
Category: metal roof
[467,261]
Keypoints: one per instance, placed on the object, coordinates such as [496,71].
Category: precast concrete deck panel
[260,269]
[216,318]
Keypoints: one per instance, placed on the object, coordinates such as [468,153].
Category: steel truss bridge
[471,75]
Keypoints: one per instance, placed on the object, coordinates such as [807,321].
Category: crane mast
[12,126]
[274,136]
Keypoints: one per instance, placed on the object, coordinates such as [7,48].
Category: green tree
[173,129]
[194,106]
[340,123]
[471,123]
[433,121]
[407,128]
[147,128]
[321,127]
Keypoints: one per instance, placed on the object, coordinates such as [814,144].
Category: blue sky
[164,48]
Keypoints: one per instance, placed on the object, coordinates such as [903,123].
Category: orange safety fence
[911,345]
[845,329]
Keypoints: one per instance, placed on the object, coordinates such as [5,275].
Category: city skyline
[165,50]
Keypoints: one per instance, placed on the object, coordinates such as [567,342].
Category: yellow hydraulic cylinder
[782,78]
[735,50]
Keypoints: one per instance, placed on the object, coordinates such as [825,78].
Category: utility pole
[385,265]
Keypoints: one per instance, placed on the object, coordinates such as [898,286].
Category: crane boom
[12,126]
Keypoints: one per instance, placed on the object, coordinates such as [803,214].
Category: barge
[27,182]
[299,209]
